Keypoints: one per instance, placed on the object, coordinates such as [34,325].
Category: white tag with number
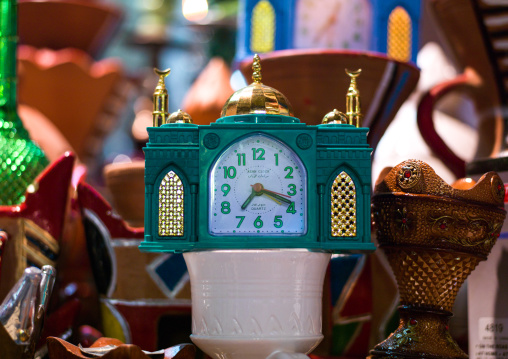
[493,329]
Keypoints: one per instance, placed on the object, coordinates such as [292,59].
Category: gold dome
[179,117]
[257,98]
[334,117]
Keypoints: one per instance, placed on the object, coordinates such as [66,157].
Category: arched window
[343,206]
[171,205]
[262,38]
[399,34]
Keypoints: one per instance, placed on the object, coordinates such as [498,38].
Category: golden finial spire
[256,69]
[353,109]
[160,99]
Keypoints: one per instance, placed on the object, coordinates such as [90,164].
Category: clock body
[258,185]
[257,181]
[333,24]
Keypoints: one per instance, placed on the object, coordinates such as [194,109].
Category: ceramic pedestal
[253,303]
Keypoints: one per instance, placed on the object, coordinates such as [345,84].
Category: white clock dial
[338,24]
[258,186]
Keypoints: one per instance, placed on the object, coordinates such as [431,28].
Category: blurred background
[185,36]
[86,81]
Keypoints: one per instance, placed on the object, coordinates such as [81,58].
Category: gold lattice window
[399,34]
[343,197]
[171,205]
[263,27]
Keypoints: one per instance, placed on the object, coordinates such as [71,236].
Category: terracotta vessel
[126,183]
[208,94]
[84,25]
[433,235]
[314,83]
[53,83]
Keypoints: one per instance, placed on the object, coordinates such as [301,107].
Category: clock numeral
[261,155]
[277,222]
[225,188]
[290,172]
[258,223]
[229,172]
[241,218]
[241,159]
[276,159]
[291,208]
[292,189]
[225,207]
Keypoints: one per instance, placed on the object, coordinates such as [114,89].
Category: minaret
[353,109]
[21,160]
[160,99]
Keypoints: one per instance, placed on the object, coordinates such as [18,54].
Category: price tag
[493,329]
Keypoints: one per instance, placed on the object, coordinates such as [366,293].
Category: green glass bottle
[21,160]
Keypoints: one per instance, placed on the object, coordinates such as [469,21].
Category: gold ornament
[409,175]
[334,117]
[23,335]
[179,117]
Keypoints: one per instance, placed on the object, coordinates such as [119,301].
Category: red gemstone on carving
[447,327]
[443,226]
[407,174]
[404,221]
[499,187]
[413,322]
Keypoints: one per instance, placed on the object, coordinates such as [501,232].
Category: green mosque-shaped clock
[257,177]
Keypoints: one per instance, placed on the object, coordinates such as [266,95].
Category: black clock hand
[256,191]
[249,199]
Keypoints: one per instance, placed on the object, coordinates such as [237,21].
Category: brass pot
[433,235]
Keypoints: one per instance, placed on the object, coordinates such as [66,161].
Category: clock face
[339,24]
[258,186]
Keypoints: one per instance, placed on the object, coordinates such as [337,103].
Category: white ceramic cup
[254,303]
